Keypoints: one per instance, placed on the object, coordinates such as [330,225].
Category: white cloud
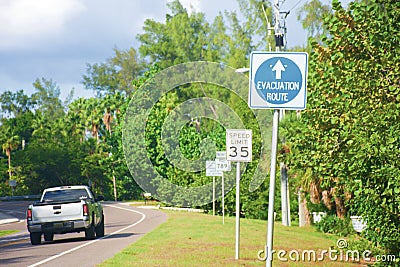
[191,5]
[24,21]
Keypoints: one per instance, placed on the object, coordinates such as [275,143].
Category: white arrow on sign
[278,68]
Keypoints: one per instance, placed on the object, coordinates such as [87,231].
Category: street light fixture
[242,70]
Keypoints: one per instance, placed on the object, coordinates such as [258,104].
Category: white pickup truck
[65,209]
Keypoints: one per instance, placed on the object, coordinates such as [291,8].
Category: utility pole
[280,30]
[279,33]
[279,44]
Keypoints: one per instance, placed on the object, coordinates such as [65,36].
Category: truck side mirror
[99,198]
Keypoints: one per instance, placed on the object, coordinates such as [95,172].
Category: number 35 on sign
[238,145]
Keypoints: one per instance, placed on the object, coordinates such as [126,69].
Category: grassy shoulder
[7,232]
[193,239]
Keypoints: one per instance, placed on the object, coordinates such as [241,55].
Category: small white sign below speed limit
[221,164]
[239,145]
[211,169]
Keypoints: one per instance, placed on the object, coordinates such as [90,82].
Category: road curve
[123,225]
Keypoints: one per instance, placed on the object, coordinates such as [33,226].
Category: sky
[57,39]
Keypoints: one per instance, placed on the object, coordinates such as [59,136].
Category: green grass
[7,232]
[192,239]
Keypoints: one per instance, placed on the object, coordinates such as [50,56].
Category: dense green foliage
[345,146]
[334,225]
[342,150]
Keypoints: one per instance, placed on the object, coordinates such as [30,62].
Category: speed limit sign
[239,145]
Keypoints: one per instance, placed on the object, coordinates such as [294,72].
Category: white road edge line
[93,241]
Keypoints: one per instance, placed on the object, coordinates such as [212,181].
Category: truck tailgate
[57,212]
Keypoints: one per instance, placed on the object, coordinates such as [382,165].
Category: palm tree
[77,118]
[9,143]
[110,104]
[107,119]
[41,126]
[93,116]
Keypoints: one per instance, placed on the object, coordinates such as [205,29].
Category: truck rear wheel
[90,232]
[35,238]
[100,227]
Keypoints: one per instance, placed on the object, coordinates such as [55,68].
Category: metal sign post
[222,164]
[213,196]
[237,240]
[212,171]
[239,149]
[223,199]
[277,81]
[271,197]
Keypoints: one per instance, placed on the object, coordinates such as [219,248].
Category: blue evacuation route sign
[278,80]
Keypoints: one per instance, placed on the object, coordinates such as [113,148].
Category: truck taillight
[29,215]
[85,210]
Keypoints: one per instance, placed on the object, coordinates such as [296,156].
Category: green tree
[42,128]
[254,33]
[9,142]
[102,156]
[14,104]
[51,164]
[16,131]
[76,117]
[348,136]
[46,98]
[311,16]
[182,38]
[187,37]
[115,75]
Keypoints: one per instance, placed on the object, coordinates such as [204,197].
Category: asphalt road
[123,226]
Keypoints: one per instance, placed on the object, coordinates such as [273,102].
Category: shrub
[334,225]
